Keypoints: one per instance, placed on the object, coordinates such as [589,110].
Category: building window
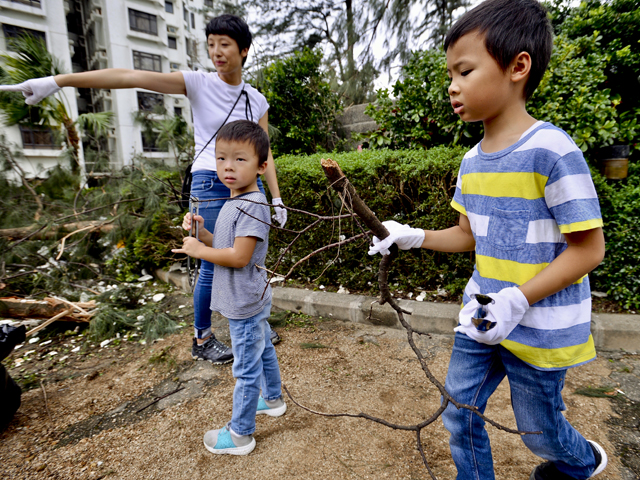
[173,42]
[31,3]
[150,142]
[185,13]
[37,137]
[143,22]
[148,102]
[13,32]
[168,7]
[193,20]
[177,111]
[147,61]
[174,66]
[208,3]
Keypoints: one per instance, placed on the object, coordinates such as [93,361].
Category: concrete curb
[610,331]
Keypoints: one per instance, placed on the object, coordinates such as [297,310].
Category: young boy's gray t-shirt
[238,292]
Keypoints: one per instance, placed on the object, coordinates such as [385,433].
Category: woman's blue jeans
[255,367]
[207,186]
[475,371]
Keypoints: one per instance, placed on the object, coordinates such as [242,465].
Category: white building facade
[155,35]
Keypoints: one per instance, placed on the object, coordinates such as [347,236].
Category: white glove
[507,311]
[281,213]
[34,90]
[402,235]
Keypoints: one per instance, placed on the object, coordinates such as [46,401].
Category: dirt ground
[92,424]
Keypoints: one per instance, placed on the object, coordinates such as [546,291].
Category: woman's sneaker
[273,408]
[273,336]
[213,350]
[548,471]
[226,441]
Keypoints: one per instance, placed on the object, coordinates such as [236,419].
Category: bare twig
[48,322]
[353,201]
[46,404]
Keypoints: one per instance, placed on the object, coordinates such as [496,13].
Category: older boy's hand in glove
[402,235]
[507,311]
[281,213]
[34,90]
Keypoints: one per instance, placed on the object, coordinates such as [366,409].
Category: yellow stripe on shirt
[508,270]
[552,357]
[529,185]
[458,207]
[581,226]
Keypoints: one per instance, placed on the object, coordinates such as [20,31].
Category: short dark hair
[247,131]
[510,27]
[232,26]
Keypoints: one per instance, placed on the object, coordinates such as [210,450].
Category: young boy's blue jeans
[206,185]
[255,367]
[475,371]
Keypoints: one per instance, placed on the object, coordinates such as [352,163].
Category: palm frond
[97,124]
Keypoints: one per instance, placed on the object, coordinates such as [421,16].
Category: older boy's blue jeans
[255,367]
[475,371]
[206,185]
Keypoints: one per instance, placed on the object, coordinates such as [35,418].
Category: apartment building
[155,35]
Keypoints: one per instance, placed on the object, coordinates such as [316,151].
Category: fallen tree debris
[14,307]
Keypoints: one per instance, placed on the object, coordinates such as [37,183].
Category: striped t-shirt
[240,293]
[519,202]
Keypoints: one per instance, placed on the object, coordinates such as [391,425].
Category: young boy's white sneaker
[226,441]
[273,408]
[598,451]
[548,470]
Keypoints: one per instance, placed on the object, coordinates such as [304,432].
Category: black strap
[186,182]
[225,120]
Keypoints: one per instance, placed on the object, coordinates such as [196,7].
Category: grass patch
[312,345]
[599,392]
[289,319]
[164,357]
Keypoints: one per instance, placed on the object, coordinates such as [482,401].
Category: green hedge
[410,186]
[619,274]
[416,187]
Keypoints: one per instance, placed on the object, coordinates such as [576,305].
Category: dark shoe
[213,350]
[274,337]
[548,471]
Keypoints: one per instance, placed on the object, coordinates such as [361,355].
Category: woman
[216,98]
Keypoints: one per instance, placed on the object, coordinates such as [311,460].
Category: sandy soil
[353,368]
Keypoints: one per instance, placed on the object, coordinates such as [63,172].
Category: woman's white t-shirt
[211,100]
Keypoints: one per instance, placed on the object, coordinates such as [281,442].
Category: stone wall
[354,120]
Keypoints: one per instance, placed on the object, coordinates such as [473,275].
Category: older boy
[529,209]
[238,248]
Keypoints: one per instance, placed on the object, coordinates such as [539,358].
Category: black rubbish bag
[9,390]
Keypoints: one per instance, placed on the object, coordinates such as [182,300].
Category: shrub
[416,187]
[410,186]
[619,274]
[590,89]
[302,106]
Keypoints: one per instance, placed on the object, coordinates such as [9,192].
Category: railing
[31,3]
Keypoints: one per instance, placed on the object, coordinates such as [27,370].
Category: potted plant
[614,161]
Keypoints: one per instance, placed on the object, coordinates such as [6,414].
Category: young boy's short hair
[510,27]
[232,26]
[247,131]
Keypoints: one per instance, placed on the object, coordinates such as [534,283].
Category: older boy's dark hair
[247,131]
[232,26]
[510,27]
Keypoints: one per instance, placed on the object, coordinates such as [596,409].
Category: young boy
[238,247]
[529,209]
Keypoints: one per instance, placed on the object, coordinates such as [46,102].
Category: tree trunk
[351,40]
